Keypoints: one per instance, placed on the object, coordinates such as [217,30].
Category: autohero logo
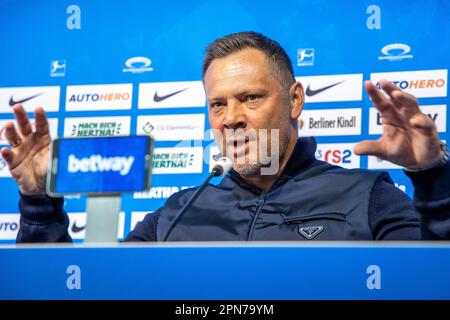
[305,57]
[9,226]
[437,113]
[421,84]
[177,160]
[96,127]
[99,97]
[339,87]
[338,154]
[172,127]
[395,52]
[330,122]
[30,98]
[138,65]
[171,95]
[97,163]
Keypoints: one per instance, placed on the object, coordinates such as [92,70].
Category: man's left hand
[410,138]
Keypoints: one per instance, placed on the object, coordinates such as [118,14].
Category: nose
[234,116]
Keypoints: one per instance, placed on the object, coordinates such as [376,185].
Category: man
[250,88]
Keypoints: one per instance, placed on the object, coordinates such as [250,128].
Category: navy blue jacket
[311,200]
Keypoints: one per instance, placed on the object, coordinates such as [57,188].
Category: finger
[380,101]
[369,147]
[22,120]
[388,87]
[406,100]
[423,123]
[41,121]
[7,155]
[11,134]
[2,132]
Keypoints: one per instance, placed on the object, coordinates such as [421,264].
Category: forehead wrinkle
[241,73]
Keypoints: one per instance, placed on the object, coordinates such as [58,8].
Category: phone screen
[99,165]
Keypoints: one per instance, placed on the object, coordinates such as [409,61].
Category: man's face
[244,97]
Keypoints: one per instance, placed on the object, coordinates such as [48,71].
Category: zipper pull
[262,199]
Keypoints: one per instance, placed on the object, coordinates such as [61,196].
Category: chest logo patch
[310,232]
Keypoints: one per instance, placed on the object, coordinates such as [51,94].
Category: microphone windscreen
[224,164]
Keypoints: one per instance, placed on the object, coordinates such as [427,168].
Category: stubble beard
[272,149]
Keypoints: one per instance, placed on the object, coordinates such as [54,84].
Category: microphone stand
[216,171]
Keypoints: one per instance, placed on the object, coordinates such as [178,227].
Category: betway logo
[422,84]
[437,113]
[97,163]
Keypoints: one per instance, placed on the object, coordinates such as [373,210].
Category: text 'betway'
[97,163]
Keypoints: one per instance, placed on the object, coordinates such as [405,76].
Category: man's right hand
[29,157]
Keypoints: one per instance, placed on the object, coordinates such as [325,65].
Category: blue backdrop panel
[325,271]
[65,43]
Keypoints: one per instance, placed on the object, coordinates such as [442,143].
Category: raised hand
[410,138]
[28,159]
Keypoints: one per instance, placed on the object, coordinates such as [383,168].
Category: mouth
[238,146]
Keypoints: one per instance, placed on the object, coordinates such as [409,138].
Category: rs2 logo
[335,156]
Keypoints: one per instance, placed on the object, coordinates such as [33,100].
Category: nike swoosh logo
[76,228]
[309,92]
[12,102]
[157,98]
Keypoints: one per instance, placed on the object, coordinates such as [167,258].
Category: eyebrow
[241,93]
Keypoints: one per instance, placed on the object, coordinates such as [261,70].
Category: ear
[297,97]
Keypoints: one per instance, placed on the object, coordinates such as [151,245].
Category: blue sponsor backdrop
[88,42]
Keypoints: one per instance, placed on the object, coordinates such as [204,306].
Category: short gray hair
[279,61]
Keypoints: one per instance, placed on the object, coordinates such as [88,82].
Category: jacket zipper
[261,201]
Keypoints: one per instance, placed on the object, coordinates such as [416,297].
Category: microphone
[222,166]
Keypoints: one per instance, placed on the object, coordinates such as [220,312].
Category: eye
[215,105]
[252,97]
